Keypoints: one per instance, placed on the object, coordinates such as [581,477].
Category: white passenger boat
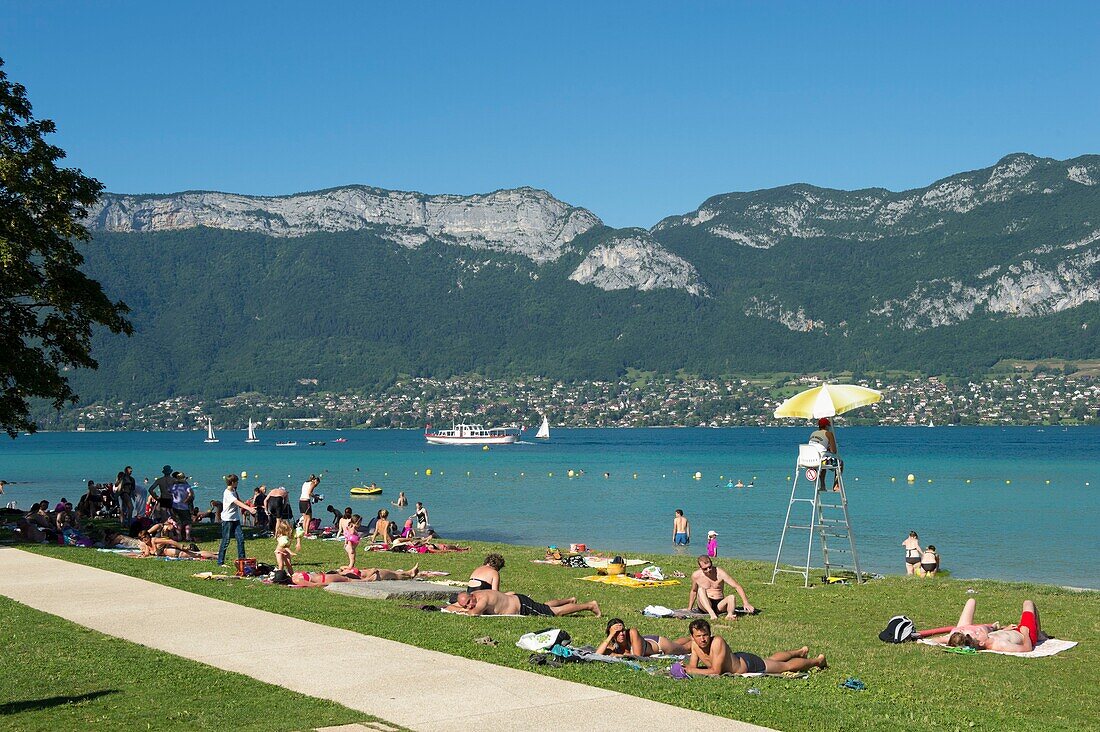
[472,434]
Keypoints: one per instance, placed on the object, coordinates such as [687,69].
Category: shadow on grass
[52,701]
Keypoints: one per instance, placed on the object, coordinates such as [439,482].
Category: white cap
[712,532]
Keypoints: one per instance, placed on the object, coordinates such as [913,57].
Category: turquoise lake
[1029,529]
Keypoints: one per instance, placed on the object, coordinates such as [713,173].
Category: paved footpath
[403,684]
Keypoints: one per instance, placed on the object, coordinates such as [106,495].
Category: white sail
[544,429]
[210,431]
[252,431]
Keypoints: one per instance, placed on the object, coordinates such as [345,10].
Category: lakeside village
[1025,397]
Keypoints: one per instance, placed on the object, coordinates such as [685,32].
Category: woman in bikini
[624,641]
[159,547]
[487,576]
[929,561]
[368,574]
[912,553]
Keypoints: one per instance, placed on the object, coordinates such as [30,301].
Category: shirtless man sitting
[1019,638]
[711,656]
[494,602]
[706,587]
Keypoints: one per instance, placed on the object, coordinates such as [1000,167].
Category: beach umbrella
[827,400]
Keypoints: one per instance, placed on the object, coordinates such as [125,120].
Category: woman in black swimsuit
[912,553]
[487,576]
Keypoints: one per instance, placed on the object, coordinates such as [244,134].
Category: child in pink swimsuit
[351,540]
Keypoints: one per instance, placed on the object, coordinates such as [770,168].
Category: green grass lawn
[57,675]
[909,685]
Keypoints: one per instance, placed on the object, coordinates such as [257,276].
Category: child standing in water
[351,540]
[282,546]
[712,543]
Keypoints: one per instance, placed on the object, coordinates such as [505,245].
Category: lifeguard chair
[828,519]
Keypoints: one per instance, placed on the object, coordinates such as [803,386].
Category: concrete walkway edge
[403,684]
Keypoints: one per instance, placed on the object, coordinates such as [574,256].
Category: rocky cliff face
[522,221]
[1031,219]
[1018,239]
[636,261]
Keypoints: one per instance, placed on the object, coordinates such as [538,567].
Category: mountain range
[352,286]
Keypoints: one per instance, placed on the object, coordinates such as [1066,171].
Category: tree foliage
[48,307]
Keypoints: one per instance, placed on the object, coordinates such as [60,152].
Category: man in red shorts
[1019,638]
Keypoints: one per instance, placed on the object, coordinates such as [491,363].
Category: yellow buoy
[1008,482]
[721,477]
[929,480]
[910,477]
[892,479]
[636,477]
[521,475]
[416,472]
[484,447]
[467,473]
[244,473]
[428,471]
[788,477]
[754,477]
[550,474]
[1048,482]
[571,473]
[698,475]
[968,480]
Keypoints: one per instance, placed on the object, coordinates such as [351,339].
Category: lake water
[1041,527]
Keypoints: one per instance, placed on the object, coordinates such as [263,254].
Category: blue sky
[634,110]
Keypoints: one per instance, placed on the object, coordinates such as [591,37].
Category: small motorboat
[290,443]
[340,440]
[316,443]
[365,490]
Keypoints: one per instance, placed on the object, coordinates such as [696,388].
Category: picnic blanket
[623,580]
[1048,647]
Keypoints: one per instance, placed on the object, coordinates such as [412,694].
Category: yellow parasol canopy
[827,400]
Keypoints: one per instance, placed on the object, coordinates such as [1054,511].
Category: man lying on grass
[1019,638]
[493,602]
[711,656]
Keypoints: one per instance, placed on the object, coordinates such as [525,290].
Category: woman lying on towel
[1019,638]
[161,547]
[369,574]
[624,641]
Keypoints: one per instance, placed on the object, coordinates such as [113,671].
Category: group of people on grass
[707,654]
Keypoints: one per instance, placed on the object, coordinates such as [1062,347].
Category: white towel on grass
[1048,647]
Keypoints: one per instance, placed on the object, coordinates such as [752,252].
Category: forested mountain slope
[354,285]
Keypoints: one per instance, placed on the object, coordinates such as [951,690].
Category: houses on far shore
[1020,398]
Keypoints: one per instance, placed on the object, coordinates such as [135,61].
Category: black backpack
[898,630]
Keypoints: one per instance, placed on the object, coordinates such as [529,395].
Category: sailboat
[544,429]
[252,431]
[210,431]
